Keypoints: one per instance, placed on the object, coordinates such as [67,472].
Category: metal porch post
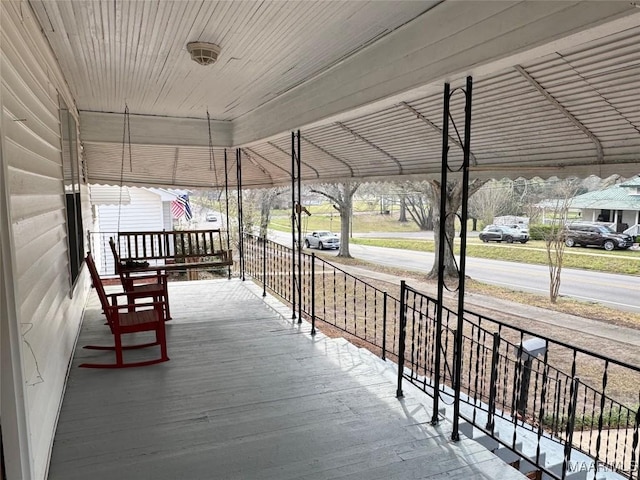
[442,238]
[296,225]
[240,229]
[226,198]
[466,149]
[299,223]
[293,225]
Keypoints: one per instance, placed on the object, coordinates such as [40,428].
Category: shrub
[540,232]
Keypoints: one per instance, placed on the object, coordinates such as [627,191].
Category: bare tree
[453,192]
[414,201]
[250,210]
[554,238]
[403,210]
[494,199]
[341,194]
[266,200]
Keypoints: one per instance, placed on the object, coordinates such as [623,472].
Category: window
[72,176]
[605,216]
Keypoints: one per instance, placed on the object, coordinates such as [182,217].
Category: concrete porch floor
[249,394]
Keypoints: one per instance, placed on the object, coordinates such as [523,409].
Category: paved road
[611,290]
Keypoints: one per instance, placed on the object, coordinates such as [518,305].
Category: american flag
[180,207]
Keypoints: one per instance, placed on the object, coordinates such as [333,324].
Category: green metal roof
[614,198]
[632,182]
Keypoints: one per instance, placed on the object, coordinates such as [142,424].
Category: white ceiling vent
[203,53]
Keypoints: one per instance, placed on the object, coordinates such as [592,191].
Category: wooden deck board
[249,394]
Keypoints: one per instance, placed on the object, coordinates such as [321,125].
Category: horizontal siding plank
[26,160]
[21,135]
[22,182]
[32,78]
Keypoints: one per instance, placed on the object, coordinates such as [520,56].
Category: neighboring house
[127,209]
[618,205]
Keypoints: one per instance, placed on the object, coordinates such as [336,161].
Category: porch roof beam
[329,154]
[257,164]
[371,144]
[99,127]
[562,109]
[437,129]
[266,160]
[289,153]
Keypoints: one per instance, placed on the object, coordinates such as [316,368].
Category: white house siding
[47,312]
[167,215]
[144,213]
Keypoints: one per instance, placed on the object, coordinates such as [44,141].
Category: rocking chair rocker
[125,319]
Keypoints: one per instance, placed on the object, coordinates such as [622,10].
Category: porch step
[557,469]
[519,461]
[524,461]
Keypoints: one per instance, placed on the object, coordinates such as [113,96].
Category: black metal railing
[518,387]
[525,391]
[329,294]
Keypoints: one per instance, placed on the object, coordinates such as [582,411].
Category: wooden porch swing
[169,250]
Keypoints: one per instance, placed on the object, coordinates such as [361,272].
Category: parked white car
[322,240]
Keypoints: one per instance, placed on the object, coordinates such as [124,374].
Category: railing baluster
[495,358]
[517,385]
[365,311]
[635,460]
[403,323]
[543,394]
[355,310]
[413,354]
[571,417]
[384,326]
[264,267]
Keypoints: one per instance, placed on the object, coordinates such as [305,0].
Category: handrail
[634,230]
[534,334]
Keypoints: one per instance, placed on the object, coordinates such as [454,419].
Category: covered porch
[250,393]
[556,91]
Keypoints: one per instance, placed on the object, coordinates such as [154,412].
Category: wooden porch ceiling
[249,394]
[556,86]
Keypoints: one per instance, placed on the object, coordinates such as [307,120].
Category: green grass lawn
[362,223]
[324,217]
[619,261]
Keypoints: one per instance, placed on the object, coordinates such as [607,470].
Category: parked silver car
[503,233]
[322,240]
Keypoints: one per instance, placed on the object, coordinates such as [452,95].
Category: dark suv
[586,234]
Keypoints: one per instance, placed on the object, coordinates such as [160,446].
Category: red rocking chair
[125,319]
